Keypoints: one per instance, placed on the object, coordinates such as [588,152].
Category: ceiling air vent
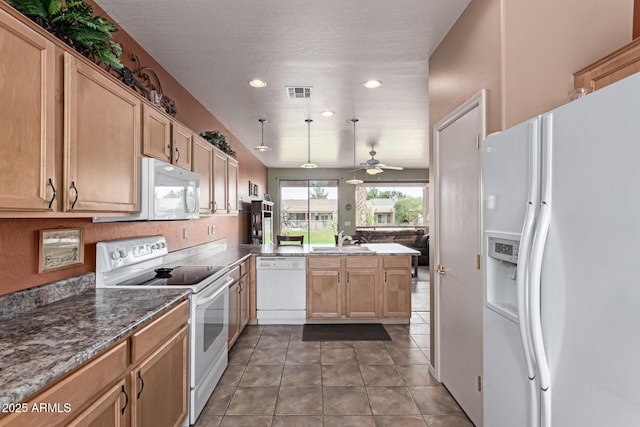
[298,91]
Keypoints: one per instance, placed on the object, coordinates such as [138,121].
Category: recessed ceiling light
[372,84]
[257,83]
[328,113]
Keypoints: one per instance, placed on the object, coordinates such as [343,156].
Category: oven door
[210,328]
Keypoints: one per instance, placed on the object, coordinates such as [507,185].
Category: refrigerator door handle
[535,271]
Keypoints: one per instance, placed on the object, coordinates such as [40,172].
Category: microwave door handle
[215,295]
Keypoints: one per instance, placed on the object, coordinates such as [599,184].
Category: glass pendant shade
[308,164]
[262,147]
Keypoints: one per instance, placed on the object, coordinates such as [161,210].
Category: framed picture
[255,190]
[60,248]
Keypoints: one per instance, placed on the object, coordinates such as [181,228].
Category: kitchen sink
[339,250]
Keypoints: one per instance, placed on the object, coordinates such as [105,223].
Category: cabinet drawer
[324,262]
[403,261]
[234,273]
[77,390]
[362,261]
[244,267]
[153,335]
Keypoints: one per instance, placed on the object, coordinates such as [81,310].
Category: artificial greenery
[73,22]
[218,139]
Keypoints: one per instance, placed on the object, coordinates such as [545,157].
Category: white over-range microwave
[167,192]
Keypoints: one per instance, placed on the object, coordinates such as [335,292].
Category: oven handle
[216,294]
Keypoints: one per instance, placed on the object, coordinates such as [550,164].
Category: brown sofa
[412,238]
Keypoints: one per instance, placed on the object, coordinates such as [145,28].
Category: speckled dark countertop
[307,250]
[39,346]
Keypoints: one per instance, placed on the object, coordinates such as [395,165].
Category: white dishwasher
[281,290]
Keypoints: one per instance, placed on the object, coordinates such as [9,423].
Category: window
[392,205]
[309,208]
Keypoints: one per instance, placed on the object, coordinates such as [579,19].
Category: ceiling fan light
[308,165]
[354,181]
[374,171]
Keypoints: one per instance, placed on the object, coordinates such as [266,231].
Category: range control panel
[504,249]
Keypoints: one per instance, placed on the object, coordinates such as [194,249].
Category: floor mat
[345,332]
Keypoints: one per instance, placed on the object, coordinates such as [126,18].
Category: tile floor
[275,379]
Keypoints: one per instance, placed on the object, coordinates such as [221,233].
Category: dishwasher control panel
[281,263]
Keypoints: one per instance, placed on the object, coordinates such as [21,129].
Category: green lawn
[316,237]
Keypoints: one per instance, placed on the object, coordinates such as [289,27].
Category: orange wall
[19,237]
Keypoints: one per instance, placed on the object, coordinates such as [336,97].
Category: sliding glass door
[309,208]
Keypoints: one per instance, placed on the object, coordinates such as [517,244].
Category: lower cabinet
[396,286]
[140,381]
[362,290]
[238,301]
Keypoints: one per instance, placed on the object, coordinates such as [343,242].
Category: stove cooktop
[177,276]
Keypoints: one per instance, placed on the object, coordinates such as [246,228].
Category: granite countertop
[39,346]
[306,250]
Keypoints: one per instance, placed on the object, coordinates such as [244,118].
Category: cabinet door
[28,173]
[156,136]
[219,182]
[202,163]
[324,294]
[234,313]
[362,293]
[244,302]
[396,293]
[109,410]
[101,141]
[159,385]
[181,144]
[232,186]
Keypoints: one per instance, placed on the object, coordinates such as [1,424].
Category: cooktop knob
[155,246]
[123,253]
[115,255]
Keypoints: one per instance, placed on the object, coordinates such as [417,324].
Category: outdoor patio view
[309,208]
[382,206]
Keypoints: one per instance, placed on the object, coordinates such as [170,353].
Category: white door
[458,280]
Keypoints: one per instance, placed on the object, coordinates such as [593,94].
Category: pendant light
[354,181]
[262,148]
[308,165]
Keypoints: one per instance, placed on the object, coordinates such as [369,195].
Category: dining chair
[297,239]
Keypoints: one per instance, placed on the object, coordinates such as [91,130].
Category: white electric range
[140,262]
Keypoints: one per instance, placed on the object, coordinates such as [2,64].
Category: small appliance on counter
[167,192]
[139,262]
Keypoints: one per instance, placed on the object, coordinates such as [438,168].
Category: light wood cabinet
[111,409]
[238,301]
[225,183]
[181,144]
[159,384]
[156,135]
[396,286]
[232,185]
[358,287]
[362,290]
[616,66]
[202,164]
[101,142]
[28,180]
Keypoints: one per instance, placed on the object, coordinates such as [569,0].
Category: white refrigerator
[561,236]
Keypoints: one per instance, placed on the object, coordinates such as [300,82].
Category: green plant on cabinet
[218,140]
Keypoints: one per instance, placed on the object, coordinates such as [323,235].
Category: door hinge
[477,141]
[478,261]
[479,383]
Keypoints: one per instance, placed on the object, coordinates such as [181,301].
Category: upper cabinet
[165,139]
[225,183]
[28,180]
[202,164]
[232,185]
[101,141]
[616,66]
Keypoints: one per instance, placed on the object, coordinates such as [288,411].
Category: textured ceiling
[214,48]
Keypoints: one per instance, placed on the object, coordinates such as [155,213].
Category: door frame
[476,101]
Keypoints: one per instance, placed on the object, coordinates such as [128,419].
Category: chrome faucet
[342,238]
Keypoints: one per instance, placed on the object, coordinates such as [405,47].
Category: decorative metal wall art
[145,81]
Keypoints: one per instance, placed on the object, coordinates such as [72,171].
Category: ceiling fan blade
[395,168]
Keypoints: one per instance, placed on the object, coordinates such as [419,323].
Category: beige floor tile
[208,421]
[246,341]
[345,401]
[400,421]
[261,376]
[303,344]
[419,330]
[232,375]
[276,330]
[448,421]
[339,356]
[423,341]
[273,341]
[302,375]
[348,421]
[253,401]
[391,401]
[219,401]
[375,356]
[399,340]
[381,375]
[396,329]
[302,356]
[341,375]
[297,421]
[245,421]
[417,375]
[299,400]
[268,356]
[434,400]
[368,344]
[240,355]
[336,344]
[408,356]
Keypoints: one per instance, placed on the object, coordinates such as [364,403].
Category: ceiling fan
[373,165]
